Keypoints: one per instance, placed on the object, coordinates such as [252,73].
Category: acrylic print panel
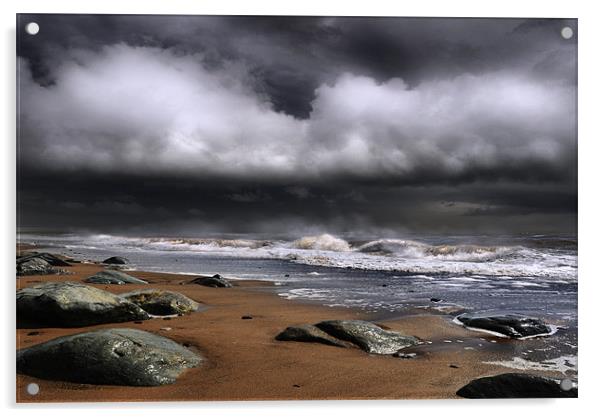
[268,208]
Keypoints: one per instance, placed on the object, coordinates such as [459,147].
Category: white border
[590,248]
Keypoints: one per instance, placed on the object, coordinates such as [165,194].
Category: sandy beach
[244,362]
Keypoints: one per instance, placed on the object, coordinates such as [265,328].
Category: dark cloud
[258,123]
[291,56]
[126,204]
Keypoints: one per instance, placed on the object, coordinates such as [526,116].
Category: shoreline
[244,362]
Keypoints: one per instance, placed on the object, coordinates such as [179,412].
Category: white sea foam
[561,364]
[467,279]
[468,263]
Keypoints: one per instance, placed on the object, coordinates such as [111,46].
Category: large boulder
[113,277]
[71,304]
[36,266]
[116,260]
[367,336]
[52,260]
[515,385]
[162,303]
[511,325]
[308,333]
[216,281]
[108,356]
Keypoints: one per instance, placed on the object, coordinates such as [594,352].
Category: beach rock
[35,266]
[515,385]
[216,281]
[108,356]
[113,277]
[511,325]
[308,333]
[52,260]
[71,304]
[435,300]
[116,260]
[162,303]
[367,336]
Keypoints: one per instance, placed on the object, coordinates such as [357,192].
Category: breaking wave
[322,242]
[393,246]
[215,243]
[399,255]
[413,249]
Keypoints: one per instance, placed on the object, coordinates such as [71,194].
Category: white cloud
[147,110]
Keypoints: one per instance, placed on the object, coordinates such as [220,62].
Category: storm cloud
[251,124]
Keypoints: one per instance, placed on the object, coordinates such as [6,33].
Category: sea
[533,275]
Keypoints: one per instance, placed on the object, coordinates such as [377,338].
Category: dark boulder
[515,385]
[113,277]
[162,303]
[216,281]
[71,304]
[511,325]
[52,260]
[116,260]
[308,333]
[109,356]
[367,336]
[36,266]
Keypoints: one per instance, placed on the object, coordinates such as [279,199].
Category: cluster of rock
[72,304]
[40,264]
[513,385]
[109,356]
[350,333]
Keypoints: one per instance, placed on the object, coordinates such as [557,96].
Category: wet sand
[244,362]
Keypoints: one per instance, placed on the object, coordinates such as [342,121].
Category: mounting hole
[33,388]
[566,384]
[32,28]
[566,32]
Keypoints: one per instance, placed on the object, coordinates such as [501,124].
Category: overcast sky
[382,126]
